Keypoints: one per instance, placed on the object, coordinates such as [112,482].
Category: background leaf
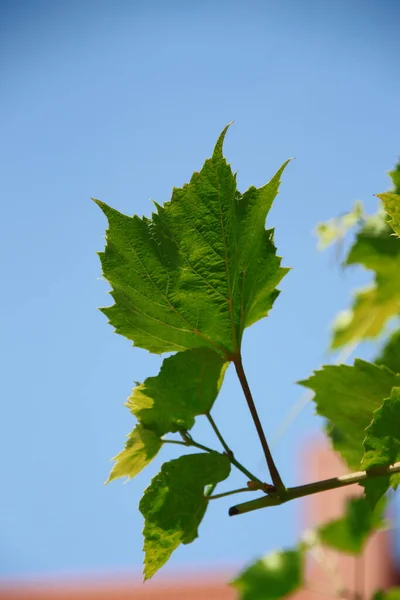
[174,504]
[200,270]
[140,449]
[348,396]
[391,594]
[186,386]
[390,353]
[350,533]
[377,250]
[382,445]
[274,576]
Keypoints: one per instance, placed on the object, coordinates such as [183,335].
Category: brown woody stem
[313,488]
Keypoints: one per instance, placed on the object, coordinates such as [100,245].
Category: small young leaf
[140,449]
[348,396]
[335,229]
[391,204]
[390,353]
[274,576]
[186,386]
[200,270]
[382,445]
[350,533]
[174,504]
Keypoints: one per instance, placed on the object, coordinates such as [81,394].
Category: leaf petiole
[229,452]
[218,434]
[189,441]
[230,493]
[174,442]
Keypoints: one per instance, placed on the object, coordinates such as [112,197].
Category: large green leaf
[140,449]
[391,204]
[390,353]
[274,576]
[350,533]
[200,270]
[348,396]
[382,445]
[377,250]
[174,504]
[186,386]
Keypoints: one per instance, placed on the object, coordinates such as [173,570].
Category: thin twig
[174,442]
[218,434]
[229,452]
[275,476]
[313,488]
[222,495]
[189,441]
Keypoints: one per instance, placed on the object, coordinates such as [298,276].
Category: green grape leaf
[391,204]
[186,386]
[273,576]
[174,504]
[348,396]
[140,449]
[377,250]
[391,594]
[382,445]
[390,353]
[200,270]
[350,533]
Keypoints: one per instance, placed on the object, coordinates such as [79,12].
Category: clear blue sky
[121,101]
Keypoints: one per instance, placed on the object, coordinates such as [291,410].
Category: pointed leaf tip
[102,205]
[141,447]
[279,173]
[220,142]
